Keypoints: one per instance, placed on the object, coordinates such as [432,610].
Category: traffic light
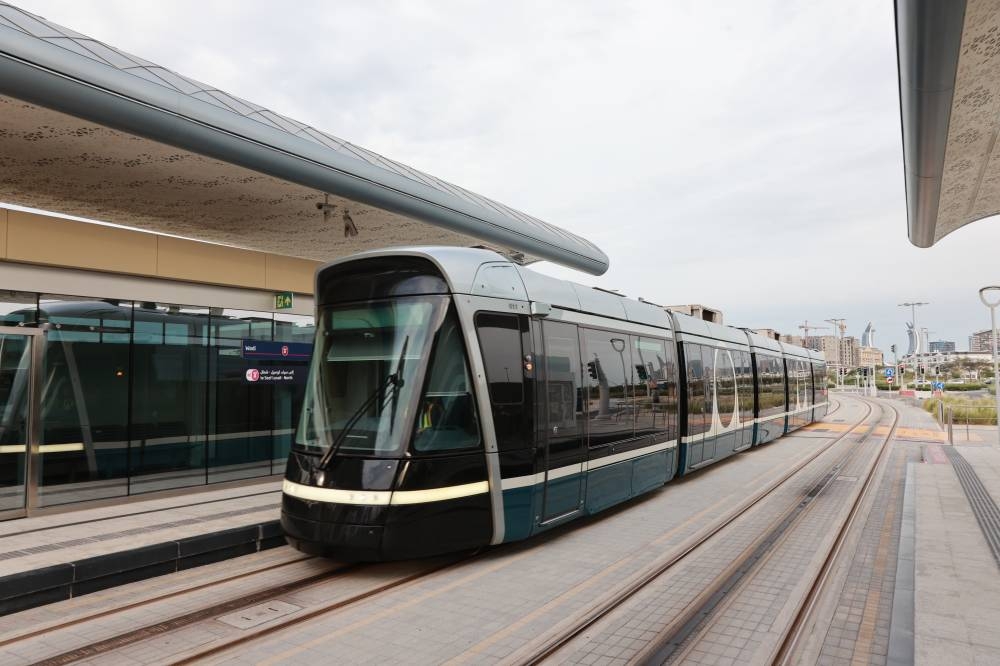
[892,348]
[592,369]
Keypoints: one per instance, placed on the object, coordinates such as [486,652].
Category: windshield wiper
[395,379]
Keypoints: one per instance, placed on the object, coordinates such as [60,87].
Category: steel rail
[145,602]
[639,582]
[794,632]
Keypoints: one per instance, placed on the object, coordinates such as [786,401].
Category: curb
[29,589]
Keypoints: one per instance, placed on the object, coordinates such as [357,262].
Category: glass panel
[18,308]
[745,387]
[85,399]
[564,394]
[670,393]
[239,411]
[708,363]
[15,365]
[446,419]
[725,386]
[500,342]
[695,389]
[169,396]
[653,386]
[609,408]
[355,394]
[771,391]
[288,397]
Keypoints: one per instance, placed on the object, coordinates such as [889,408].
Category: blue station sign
[267,350]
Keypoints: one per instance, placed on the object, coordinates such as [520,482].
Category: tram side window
[655,389]
[608,364]
[744,381]
[695,389]
[500,341]
[447,420]
[725,386]
[564,395]
[708,363]
[503,358]
[670,394]
[771,385]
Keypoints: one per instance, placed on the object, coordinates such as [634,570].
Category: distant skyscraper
[868,337]
[981,342]
[943,346]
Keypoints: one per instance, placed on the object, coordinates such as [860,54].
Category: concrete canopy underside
[949,76]
[88,130]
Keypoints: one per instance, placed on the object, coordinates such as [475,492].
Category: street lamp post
[990,296]
[913,322]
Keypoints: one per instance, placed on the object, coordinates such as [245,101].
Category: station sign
[283,300]
[273,375]
[267,350]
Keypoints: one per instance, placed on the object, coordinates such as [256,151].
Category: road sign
[938,386]
[889,379]
[889,372]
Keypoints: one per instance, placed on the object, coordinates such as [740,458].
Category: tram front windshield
[366,366]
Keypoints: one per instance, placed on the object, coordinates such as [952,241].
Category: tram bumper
[342,541]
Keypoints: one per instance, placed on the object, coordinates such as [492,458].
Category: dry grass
[981,411]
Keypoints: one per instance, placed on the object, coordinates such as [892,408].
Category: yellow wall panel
[40,239]
[3,233]
[290,273]
[203,262]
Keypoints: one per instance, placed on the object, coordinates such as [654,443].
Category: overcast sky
[742,155]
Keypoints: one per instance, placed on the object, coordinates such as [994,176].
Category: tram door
[564,442]
[20,361]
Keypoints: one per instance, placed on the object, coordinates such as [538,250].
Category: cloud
[742,155]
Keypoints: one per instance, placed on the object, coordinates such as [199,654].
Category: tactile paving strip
[983,507]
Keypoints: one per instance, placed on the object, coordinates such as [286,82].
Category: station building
[156,328]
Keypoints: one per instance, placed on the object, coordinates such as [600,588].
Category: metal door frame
[36,340]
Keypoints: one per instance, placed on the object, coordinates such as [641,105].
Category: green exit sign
[283,300]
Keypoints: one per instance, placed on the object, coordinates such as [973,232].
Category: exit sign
[283,300]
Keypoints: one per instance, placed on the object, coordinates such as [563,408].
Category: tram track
[683,636]
[149,601]
[244,602]
[213,611]
[549,644]
[796,631]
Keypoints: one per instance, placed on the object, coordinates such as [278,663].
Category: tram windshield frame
[350,405]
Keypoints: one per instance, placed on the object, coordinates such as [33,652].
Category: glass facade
[143,396]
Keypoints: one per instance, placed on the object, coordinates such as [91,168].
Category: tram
[457,400]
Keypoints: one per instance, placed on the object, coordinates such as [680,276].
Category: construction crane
[806,327]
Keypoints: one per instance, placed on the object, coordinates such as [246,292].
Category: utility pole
[913,321]
[841,326]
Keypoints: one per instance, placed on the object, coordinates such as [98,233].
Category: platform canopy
[949,88]
[89,130]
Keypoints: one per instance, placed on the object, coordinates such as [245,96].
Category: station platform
[57,556]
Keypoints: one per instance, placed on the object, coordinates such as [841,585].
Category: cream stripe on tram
[382,497]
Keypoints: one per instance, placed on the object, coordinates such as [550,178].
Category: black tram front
[387,461]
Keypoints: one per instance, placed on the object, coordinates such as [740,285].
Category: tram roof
[689,327]
[90,130]
[949,78]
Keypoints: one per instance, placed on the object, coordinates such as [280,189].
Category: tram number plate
[259,614]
